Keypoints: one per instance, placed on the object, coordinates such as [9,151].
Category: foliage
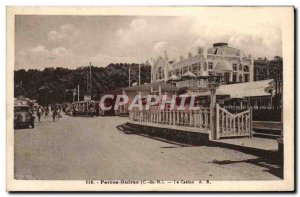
[55,85]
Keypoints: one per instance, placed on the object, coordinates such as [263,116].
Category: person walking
[54,113]
[39,113]
[46,110]
[59,110]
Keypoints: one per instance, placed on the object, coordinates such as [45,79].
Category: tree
[48,86]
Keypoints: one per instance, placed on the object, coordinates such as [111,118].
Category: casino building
[231,63]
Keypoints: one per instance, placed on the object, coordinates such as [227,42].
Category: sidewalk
[255,143]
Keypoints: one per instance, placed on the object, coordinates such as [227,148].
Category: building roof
[190,94]
[224,50]
[165,87]
[249,89]
[173,77]
[188,74]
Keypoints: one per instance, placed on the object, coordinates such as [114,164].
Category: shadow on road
[128,131]
[272,166]
[273,162]
[21,128]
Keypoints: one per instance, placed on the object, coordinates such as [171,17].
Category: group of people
[44,111]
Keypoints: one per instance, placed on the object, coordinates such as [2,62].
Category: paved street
[94,148]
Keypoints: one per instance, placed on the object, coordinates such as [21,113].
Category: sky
[74,41]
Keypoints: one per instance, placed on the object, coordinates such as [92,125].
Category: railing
[233,125]
[192,83]
[259,113]
[190,118]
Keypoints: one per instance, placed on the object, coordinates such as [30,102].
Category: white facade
[221,59]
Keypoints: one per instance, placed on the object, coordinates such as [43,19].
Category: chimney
[181,58]
[189,54]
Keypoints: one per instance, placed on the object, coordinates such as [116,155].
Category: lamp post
[213,83]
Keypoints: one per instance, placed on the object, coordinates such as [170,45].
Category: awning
[218,92]
[190,94]
[242,90]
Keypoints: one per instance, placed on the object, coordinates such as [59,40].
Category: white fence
[227,124]
[233,125]
[190,118]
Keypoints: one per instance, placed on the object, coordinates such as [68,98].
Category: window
[240,78]
[234,66]
[226,76]
[240,67]
[234,77]
[185,69]
[246,68]
[205,66]
[195,68]
[210,65]
[160,73]
[246,78]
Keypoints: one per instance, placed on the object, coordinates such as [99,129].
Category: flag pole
[78,92]
[91,79]
[129,76]
[139,74]
[87,82]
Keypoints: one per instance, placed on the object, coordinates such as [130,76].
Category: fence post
[213,114]
[250,123]
[174,117]
[217,122]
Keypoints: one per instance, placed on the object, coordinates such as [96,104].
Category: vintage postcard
[150,98]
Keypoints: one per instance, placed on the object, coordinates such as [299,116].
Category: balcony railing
[192,83]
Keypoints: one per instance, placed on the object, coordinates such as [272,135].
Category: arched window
[204,66]
[160,73]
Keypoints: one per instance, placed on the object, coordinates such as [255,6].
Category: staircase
[267,129]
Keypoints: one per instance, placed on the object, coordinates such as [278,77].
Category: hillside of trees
[55,85]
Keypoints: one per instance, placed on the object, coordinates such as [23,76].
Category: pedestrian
[54,113]
[39,113]
[75,110]
[59,113]
[45,109]
[42,110]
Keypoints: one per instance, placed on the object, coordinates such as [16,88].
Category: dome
[223,66]
[223,49]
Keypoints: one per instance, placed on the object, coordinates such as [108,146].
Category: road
[79,148]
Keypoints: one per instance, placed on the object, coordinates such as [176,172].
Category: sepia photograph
[150,99]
